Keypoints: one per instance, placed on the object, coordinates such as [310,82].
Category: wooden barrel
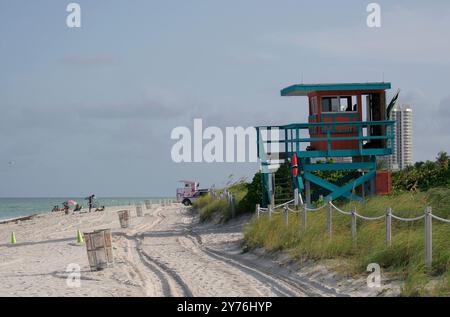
[139,210]
[99,249]
[124,218]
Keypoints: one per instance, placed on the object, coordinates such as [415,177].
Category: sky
[91,109]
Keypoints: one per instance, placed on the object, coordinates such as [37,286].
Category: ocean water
[19,207]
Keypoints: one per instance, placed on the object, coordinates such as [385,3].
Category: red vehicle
[189,192]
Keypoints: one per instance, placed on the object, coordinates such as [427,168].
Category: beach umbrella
[72,202]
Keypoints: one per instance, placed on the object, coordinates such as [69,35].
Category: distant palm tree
[443,159]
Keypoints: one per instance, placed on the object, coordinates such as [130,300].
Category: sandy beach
[164,253]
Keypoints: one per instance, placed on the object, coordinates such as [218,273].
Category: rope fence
[440,219]
[369,218]
[316,209]
[284,204]
[388,216]
[229,197]
[407,219]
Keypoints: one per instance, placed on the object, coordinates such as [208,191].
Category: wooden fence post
[353,224]
[286,215]
[329,220]
[270,212]
[272,194]
[304,218]
[296,198]
[428,238]
[257,210]
[308,192]
[388,227]
[233,206]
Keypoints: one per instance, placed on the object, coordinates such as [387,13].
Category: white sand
[164,253]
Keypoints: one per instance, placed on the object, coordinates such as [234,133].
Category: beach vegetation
[414,188]
[404,259]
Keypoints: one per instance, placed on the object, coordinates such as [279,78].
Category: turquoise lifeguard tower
[348,128]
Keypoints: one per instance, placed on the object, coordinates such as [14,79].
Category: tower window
[339,104]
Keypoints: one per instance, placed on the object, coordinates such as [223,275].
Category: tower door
[376,112]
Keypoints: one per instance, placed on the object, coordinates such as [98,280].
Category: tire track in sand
[277,287]
[287,284]
[225,269]
[304,285]
[171,283]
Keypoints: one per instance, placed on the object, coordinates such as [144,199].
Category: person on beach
[66,207]
[91,202]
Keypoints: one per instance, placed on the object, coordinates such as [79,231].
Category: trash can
[139,210]
[99,249]
[124,218]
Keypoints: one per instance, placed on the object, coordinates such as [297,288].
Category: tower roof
[305,89]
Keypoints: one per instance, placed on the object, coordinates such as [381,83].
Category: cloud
[444,109]
[101,129]
[130,110]
[431,131]
[89,60]
[244,56]
[413,96]
[405,36]
[156,107]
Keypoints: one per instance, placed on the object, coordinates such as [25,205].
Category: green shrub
[207,206]
[424,175]
[246,196]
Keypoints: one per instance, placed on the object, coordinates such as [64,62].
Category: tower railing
[289,140]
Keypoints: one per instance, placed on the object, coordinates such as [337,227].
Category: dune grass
[404,258]
[207,206]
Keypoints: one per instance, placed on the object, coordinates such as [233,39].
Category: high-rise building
[402,147]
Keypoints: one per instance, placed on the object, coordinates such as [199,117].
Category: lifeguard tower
[347,129]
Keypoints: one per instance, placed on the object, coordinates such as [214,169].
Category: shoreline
[22,218]
[11,214]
